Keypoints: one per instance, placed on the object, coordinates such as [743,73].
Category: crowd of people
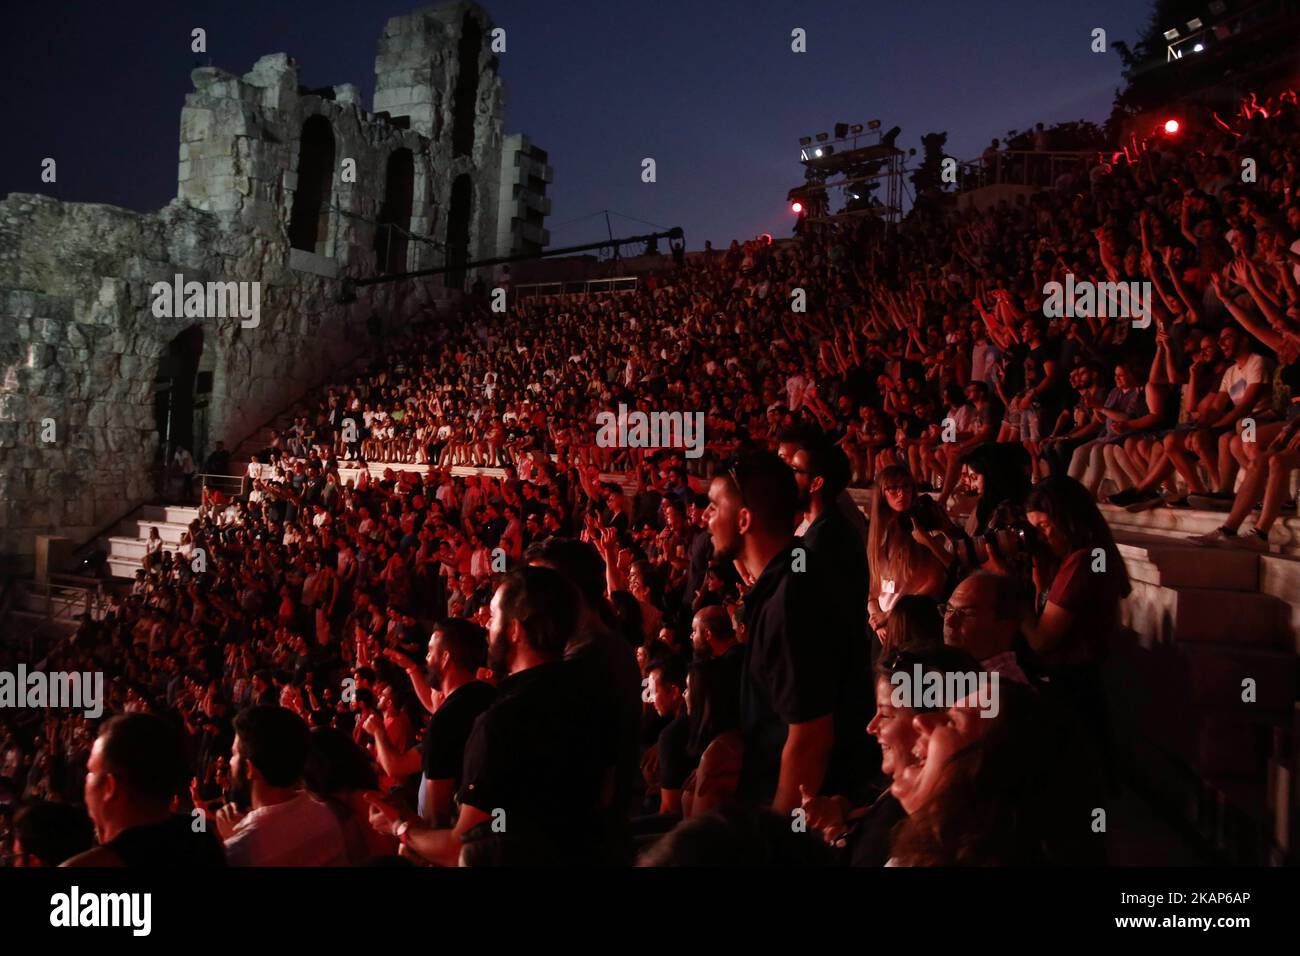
[604,654]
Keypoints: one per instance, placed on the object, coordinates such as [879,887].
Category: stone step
[1233,746]
[1216,671]
[1177,563]
[169,532]
[1284,537]
[1228,814]
[1190,614]
[169,514]
[1279,577]
[124,567]
[123,547]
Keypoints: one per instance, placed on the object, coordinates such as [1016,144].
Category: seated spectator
[999,771]
[915,623]
[47,834]
[715,743]
[339,775]
[283,825]
[863,835]
[983,620]
[136,772]
[667,691]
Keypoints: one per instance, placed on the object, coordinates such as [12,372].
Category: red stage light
[1171,126]
[796,207]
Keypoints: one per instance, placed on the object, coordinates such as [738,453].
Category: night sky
[710,89]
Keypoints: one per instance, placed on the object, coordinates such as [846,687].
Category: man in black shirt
[531,785]
[457,649]
[136,767]
[609,668]
[717,651]
[667,688]
[804,684]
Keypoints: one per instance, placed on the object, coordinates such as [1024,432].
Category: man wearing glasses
[983,619]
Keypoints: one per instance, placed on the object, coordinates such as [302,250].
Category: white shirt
[1238,378]
[299,832]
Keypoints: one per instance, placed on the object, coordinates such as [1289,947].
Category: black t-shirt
[172,844]
[723,676]
[800,665]
[836,553]
[1048,351]
[675,763]
[443,750]
[870,842]
[838,558]
[535,755]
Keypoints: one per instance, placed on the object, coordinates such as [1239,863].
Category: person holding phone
[899,547]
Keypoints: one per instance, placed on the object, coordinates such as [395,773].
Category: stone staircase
[1202,625]
[127,544]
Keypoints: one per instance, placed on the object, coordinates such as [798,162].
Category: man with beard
[829,536]
[811,454]
[804,685]
[610,669]
[286,826]
[136,767]
[532,781]
[455,697]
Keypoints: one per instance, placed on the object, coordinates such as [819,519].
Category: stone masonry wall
[80,347]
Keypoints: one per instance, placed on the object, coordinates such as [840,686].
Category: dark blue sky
[710,89]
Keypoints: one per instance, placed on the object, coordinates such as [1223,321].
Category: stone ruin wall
[79,343]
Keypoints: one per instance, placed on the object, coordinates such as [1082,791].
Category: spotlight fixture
[874,124]
[805,140]
[1199,48]
[841,130]
[855,129]
[818,152]
[796,207]
[1172,126]
[1172,35]
[823,137]
[1194,24]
